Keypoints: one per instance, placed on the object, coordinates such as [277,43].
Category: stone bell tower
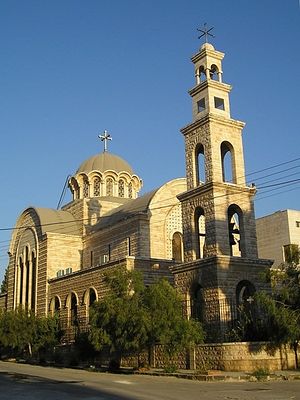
[221,266]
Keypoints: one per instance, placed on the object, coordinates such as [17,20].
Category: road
[26,382]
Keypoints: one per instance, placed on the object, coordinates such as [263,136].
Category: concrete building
[276,233]
[197,231]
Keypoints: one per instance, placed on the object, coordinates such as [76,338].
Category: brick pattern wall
[240,357]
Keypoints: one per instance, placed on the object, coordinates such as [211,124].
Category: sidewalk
[225,375]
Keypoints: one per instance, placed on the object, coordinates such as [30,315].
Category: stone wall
[243,356]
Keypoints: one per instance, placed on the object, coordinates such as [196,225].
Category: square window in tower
[219,103]
[201,105]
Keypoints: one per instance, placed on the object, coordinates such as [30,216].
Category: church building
[198,231]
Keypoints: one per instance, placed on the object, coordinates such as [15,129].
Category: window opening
[74,310]
[177,247]
[85,188]
[219,103]
[200,233]
[121,188]
[201,105]
[202,74]
[227,164]
[214,73]
[200,165]
[234,236]
[130,190]
[109,187]
[97,187]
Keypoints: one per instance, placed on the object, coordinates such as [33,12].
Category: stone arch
[121,187]
[201,76]
[72,304]
[228,162]
[197,302]
[244,292]
[214,72]
[177,247]
[236,233]
[245,303]
[200,233]
[96,186]
[200,164]
[89,298]
[74,186]
[55,305]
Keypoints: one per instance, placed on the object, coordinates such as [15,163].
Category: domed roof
[103,162]
[207,46]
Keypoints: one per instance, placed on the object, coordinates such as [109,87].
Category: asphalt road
[24,382]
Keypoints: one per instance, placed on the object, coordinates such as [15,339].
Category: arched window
[202,74]
[130,190]
[109,187]
[55,306]
[20,281]
[85,188]
[245,291]
[227,157]
[235,227]
[33,282]
[73,309]
[96,186]
[121,188]
[90,297]
[200,165]
[246,306]
[177,247]
[27,270]
[197,304]
[200,231]
[214,72]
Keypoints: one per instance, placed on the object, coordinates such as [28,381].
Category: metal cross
[105,137]
[205,32]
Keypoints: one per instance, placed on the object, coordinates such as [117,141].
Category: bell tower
[219,234]
[218,206]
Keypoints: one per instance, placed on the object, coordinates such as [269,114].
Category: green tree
[281,307]
[118,321]
[130,318]
[165,322]
[4,283]
[22,332]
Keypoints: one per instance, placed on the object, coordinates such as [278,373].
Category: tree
[118,321]
[281,308]
[21,331]
[130,318]
[4,283]
[166,324]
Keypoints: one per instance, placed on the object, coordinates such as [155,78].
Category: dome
[207,46]
[103,162]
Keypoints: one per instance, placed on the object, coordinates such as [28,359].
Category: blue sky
[70,69]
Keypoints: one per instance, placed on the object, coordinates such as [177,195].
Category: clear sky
[70,69]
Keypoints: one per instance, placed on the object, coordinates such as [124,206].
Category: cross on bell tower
[105,137]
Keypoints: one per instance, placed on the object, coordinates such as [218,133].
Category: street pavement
[23,381]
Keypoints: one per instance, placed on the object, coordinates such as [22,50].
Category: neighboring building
[276,233]
[199,232]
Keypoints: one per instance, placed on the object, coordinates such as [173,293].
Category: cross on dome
[105,137]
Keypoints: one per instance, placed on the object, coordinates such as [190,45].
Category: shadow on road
[19,386]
